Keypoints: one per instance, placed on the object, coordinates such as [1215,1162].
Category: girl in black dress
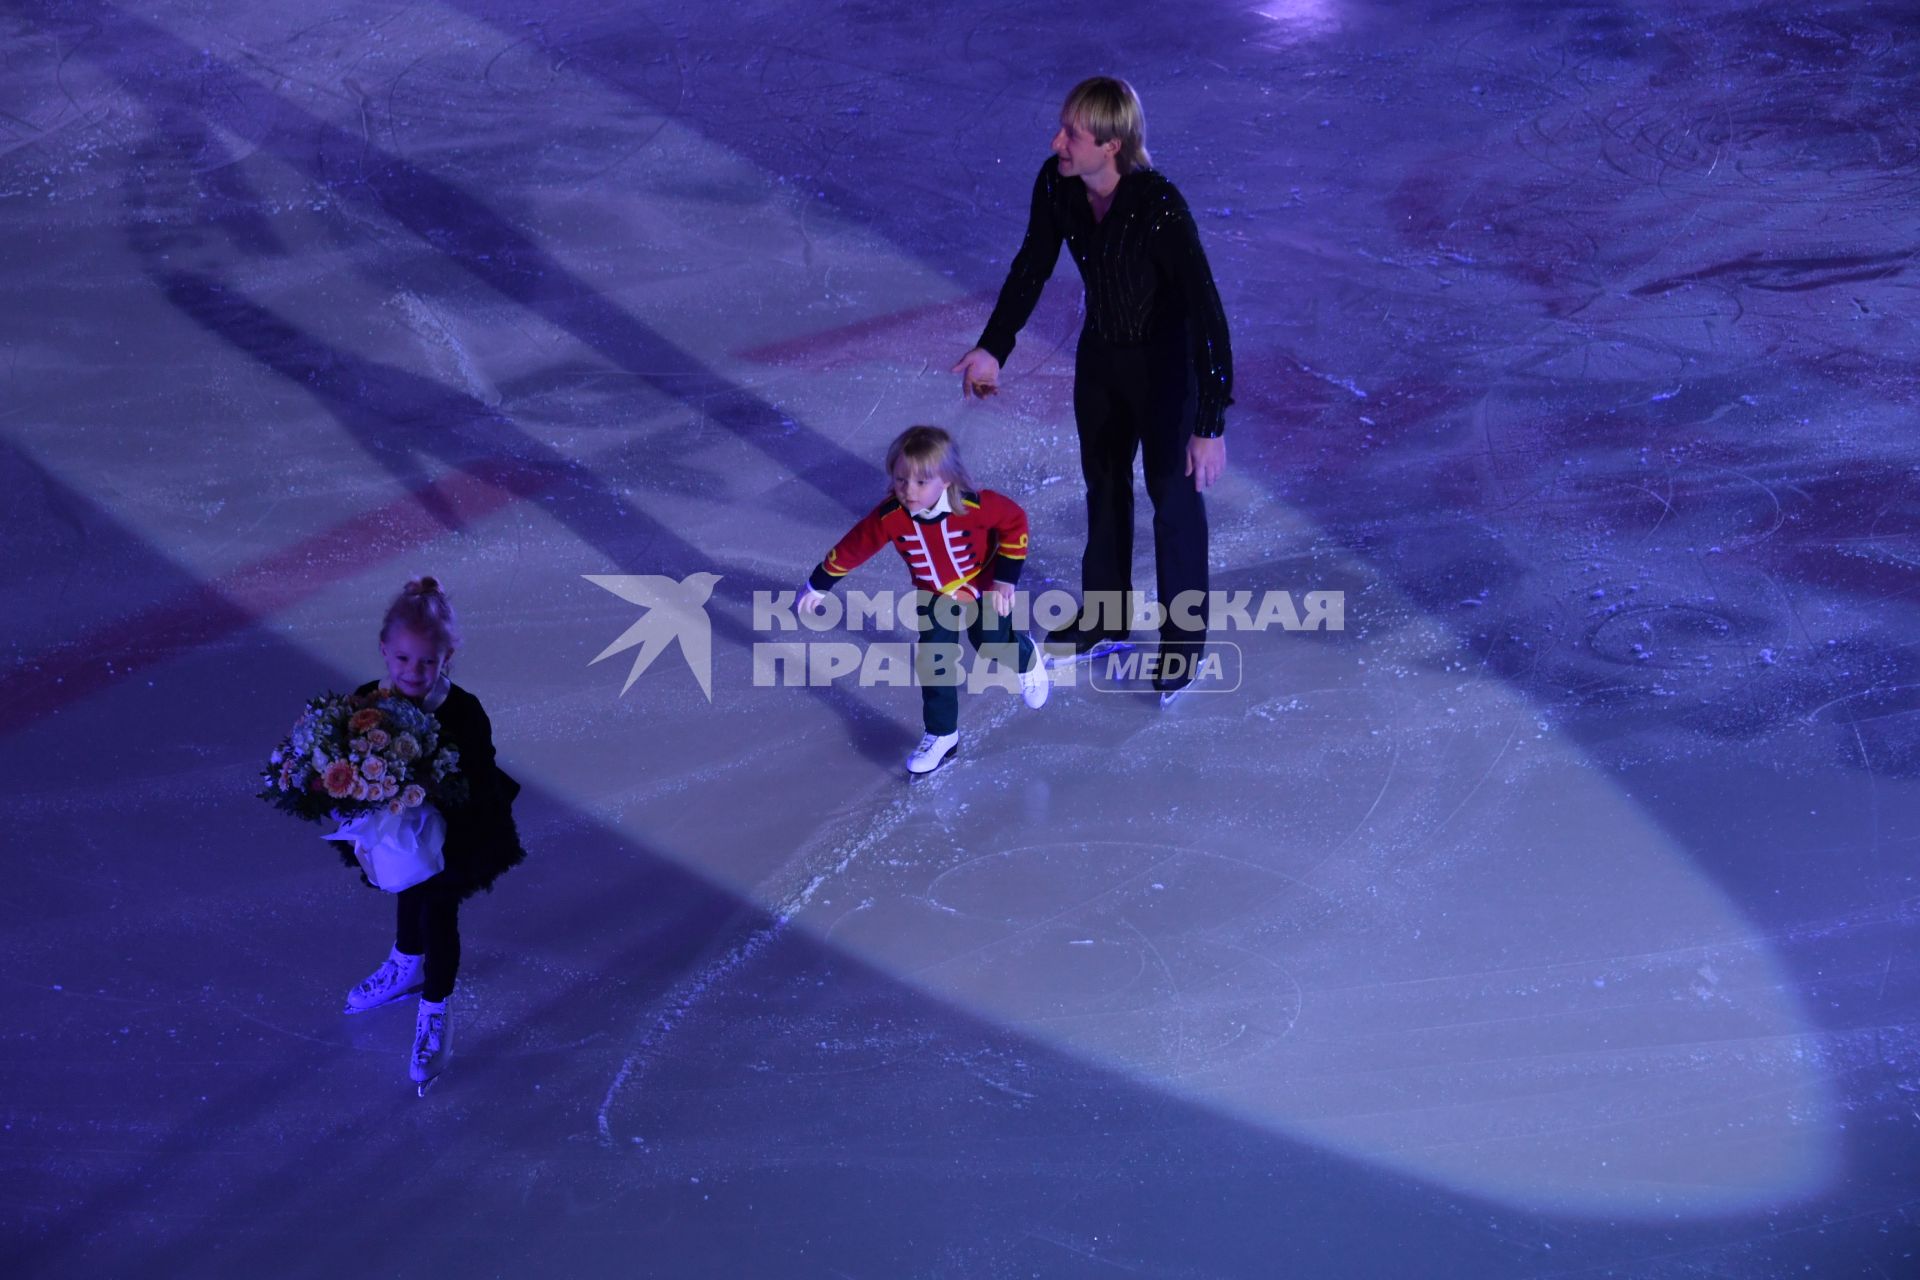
[418,639]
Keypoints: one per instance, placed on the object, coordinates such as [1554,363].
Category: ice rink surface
[1555,917]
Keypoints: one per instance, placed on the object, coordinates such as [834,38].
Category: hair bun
[422,606]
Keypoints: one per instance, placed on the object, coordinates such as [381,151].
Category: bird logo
[675,610]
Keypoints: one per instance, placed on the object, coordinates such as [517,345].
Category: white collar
[944,507]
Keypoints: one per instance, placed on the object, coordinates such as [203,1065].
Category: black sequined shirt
[1146,275]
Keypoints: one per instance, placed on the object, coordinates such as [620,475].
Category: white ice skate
[932,753]
[397,976]
[432,1045]
[1034,685]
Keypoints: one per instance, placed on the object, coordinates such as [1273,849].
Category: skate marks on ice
[1074,937]
[822,863]
[1377,904]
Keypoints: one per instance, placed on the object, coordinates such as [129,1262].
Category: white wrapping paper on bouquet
[397,850]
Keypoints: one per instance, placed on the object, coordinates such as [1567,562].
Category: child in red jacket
[964,549]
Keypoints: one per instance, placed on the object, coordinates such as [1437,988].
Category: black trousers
[427,922]
[1139,400]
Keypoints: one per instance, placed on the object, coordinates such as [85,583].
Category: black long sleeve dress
[482,841]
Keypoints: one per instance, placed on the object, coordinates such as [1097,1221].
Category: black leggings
[427,922]
[1128,401]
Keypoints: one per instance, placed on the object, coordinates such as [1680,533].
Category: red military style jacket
[949,552]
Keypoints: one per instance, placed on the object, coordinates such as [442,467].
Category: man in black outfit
[1153,374]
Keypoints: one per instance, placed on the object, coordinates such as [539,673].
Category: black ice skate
[1074,644]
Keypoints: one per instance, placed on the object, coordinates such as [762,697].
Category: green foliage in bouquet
[350,754]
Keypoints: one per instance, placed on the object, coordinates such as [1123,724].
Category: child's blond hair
[931,451]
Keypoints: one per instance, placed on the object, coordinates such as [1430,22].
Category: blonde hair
[1108,108]
[931,451]
[422,608]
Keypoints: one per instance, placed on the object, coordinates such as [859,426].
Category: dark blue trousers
[939,662]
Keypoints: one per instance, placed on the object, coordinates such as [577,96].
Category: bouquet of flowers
[373,763]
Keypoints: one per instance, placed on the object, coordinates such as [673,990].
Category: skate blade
[1099,650]
[395,998]
[420,1087]
[1168,698]
[945,761]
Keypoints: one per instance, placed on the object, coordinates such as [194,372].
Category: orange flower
[377,738]
[364,720]
[414,796]
[374,768]
[339,779]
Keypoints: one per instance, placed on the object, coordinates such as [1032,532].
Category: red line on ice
[209,611]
